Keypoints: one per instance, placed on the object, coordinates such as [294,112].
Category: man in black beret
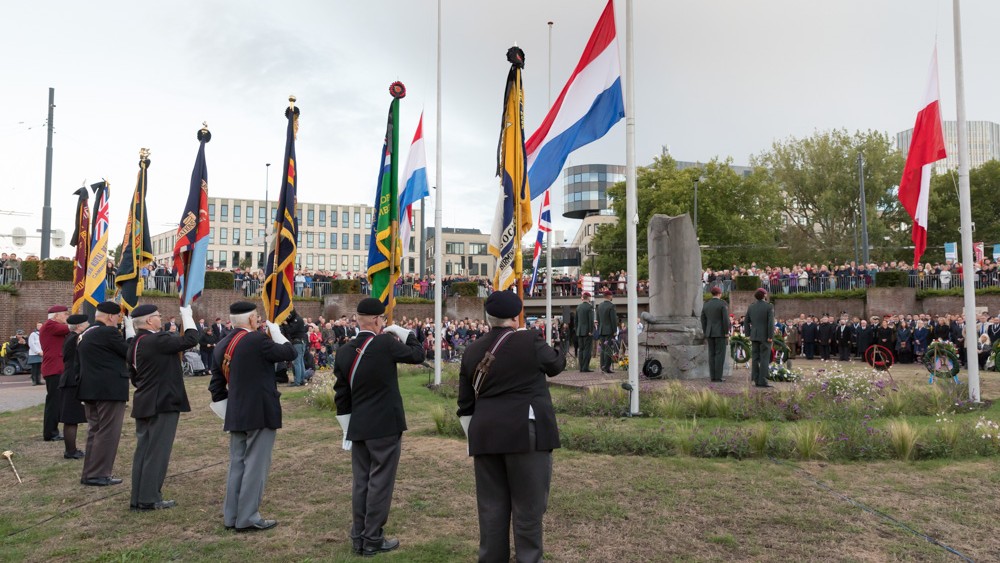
[370,411]
[243,375]
[506,411]
[71,411]
[585,332]
[607,329]
[104,392]
[155,367]
[759,326]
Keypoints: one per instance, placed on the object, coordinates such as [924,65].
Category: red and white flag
[926,148]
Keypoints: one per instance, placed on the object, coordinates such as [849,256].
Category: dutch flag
[587,107]
[415,183]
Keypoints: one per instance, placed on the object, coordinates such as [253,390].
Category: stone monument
[672,340]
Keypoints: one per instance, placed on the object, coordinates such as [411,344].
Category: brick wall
[954,304]
[892,301]
[791,308]
[454,307]
[7,326]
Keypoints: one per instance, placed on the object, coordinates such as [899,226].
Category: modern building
[331,237]
[984,143]
[464,252]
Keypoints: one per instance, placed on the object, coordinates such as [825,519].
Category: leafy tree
[818,179]
[943,212]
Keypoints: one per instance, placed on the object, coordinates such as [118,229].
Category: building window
[298,236]
[274,214]
[309,261]
[249,213]
[333,219]
[322,240]
[357,219]
[224,236]
[321,261]
[333,261]
[236,235]
[357,263]
[261,214]
[310,217]
[368,220]
[210,257]
[367,239]
[477,248]
[309,240]
[211,211]
[322,217]
[260,260]
[343,262]
[357,242]
[236,258]
[248,239]
[412,245]
[237,216]
[260,236]
[345,218]
[333,241]
[447,268]
[454,248]
[211,235]
[298,261]
[345,241]
[222,259]
[225,212]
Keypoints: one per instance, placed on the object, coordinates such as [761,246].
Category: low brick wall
[339,304]
[892,301]
[791,308]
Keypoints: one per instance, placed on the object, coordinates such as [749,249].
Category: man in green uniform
[759,326]
[607,329]
[715,325]
[585,332]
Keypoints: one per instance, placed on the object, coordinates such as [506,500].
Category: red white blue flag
[415,185]
[544,226]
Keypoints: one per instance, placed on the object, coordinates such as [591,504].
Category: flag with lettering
[384,248]
[137,248]
[191,248]
[81,240]
[279,282]
[97,260]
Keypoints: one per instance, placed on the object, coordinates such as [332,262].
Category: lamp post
[864,208]
[267,209]
[696,208]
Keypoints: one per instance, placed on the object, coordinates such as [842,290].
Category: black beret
[241,307]
[76,319]
[109,308]
[503,305]
[370,306]
[143,310]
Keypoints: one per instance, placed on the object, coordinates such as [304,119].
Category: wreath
[941,360]
[781,350]
[778,372]
[739,349]
[991,363]
[879,357]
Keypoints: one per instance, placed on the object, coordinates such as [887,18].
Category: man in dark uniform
[844,337]
[809,338]
[370,411]
[103,389]
[51,336]
[759,326]
[507,414]
[244,376]
[160,398]
[715,325]
[824,337]
[71,412]
[585,332]
[607,328]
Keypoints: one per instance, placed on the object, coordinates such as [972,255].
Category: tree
[943,212]
[738,216]
[818,179]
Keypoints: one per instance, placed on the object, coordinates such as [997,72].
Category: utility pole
[864,208]
[47,206]
[696,209]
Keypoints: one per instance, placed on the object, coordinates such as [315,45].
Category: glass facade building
[586,188]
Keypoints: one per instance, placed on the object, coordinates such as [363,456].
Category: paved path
[17,392]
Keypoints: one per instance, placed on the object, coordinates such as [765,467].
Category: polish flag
[415,185]
[926,148]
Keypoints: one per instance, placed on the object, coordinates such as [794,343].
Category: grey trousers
[104,432]
[249,463]
[716,357]
[585,350]
[154,439]
[374,464]
[760,359]
[512,485]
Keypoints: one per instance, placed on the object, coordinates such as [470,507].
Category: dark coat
[809,332]
[866,337]
[844,335]
[516,381]
[758,324]
[71,369]
[584,319]
[715,318]
[155,369]
[373,400]
[100,353]
[252,389]
[824,333]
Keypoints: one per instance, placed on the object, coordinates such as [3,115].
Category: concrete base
[679,346]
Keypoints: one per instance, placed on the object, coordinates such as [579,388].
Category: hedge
[29,270]
[836,294]
[892,279]
[465,289]
[345,286]
[746,283]
[56,270]
[219,280]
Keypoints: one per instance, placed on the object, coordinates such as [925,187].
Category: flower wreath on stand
[778,372]
[781,351]
[941,360]
[739,349]
[991,362]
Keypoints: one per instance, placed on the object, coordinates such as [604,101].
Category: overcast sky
[713,78]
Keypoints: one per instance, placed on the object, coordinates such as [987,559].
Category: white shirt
[34,344]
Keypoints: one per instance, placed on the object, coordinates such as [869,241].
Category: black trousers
[53,401]
[824,351]
[760,359]
[716,357]
[154,440]
[607,348]
[585,351]
[809,348]
[373,463]
[512,486]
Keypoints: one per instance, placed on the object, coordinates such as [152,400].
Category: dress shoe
[161,505]
[258,526]
[78,454]
[101,481]
[387,544]
[357,545]
[56,438]
[764,385]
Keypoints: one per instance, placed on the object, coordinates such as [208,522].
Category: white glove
[275,333]
[465,421]
[129,327]
[187,317]
[345,422]
[399,332]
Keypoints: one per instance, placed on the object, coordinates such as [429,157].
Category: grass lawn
[602,508]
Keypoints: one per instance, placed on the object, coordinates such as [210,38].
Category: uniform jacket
[252,389]
[844,335]
[71,369]
[759,321]
[517,380]
[809,332]
[155,369]
[584,319]
[607,319]
[824,333]
[100,353]
[51,336]
[373,400]
[715,318]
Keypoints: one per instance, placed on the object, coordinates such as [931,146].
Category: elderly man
[51,337]
[243,375]
[506,411]
[71,412]
[155,368]
[104,391]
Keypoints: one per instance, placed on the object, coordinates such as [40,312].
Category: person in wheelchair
[15,356]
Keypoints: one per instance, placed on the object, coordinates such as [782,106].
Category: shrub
[29,270]
[856,440]
[464,289]
[760,435]
[321,393]
[609,401]
[9,288]
[903,438]
[218,280]
[893,278]
[413,301]
[723,442]
[807,439]
[446,422]
[746,283]
[56,270]
[345,286]
[615,439]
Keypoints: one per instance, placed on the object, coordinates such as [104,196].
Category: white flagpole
[965,202]
[631,209]
[548,235]
[438,245]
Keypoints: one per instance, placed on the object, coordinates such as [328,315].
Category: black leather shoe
[161,505]
[101,481]
[387,544]
[358,545]
[764,385]
[78,454]
[56,438]
[256,527]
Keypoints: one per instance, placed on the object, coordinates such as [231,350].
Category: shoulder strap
[484,366]
[135,352]
[227,357]
[357,360]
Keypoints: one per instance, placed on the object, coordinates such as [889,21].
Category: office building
[984,144]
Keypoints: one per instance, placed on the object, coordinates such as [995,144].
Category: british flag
[544,226]
[97,262]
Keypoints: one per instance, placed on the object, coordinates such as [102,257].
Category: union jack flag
[97,262]
[544,226]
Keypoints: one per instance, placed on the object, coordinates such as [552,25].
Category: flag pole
[631,209]
[965,202]
[519,257]
[438,245]
[548,236]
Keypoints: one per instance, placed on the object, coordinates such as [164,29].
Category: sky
[715,78]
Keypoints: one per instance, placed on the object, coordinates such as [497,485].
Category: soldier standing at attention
[607,327]
[759,326]
[715,325]
[585,332]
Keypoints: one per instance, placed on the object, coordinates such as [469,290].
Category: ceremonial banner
[191,248]
[415,185]
[926,148]
[951,251]
[137,249]
[97,260]
[587,107]
[513,213]
[384,248]
[81,240]
[996,252]
[544,226]
[280,267]
[978,252]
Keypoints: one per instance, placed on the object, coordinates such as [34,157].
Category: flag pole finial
[204,135]
[397,90]
[144,153]
[515,56]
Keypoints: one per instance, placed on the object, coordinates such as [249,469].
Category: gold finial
[291,101]
[144,153]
